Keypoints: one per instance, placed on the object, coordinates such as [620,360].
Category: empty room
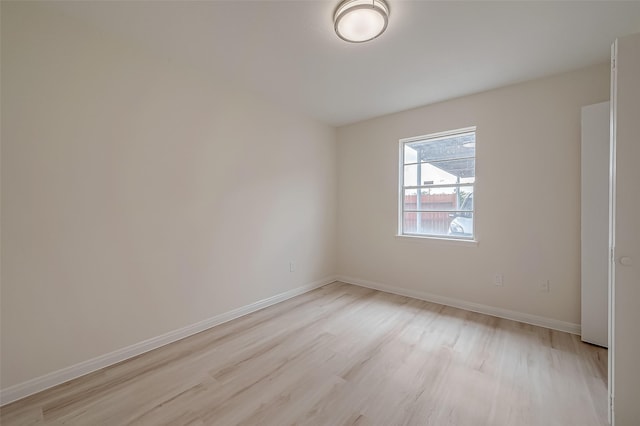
[320,212]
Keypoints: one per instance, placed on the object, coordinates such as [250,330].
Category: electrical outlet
[498,279]
[545,286]
[292,266]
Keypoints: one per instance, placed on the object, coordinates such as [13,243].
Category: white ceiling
[431,51]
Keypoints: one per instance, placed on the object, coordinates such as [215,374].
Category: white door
[595,223]
[624,343]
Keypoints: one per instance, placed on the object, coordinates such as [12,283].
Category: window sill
[440,240]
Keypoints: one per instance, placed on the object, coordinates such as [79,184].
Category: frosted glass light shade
[357,21]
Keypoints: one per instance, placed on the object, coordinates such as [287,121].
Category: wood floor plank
[343,355]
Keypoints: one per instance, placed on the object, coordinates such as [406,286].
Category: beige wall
[527,198]
[140,196]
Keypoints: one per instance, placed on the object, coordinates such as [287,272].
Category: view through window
[437,184]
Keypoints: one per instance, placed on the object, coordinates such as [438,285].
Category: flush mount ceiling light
[357,21]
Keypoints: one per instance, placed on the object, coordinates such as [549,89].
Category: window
[437,179]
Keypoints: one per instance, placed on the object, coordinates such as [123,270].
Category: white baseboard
[55,378]
[469,306]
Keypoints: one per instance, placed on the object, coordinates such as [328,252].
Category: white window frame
[401,187]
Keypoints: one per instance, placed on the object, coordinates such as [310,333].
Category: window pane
[411,175]
[409,223]
[426,223]
[448,199]
[440,224]
[410,199]
[440,173]
[443,148]
[448,172]
[466,198]
[461,226]
[410,154]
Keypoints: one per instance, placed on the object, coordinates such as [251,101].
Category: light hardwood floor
[343,355]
